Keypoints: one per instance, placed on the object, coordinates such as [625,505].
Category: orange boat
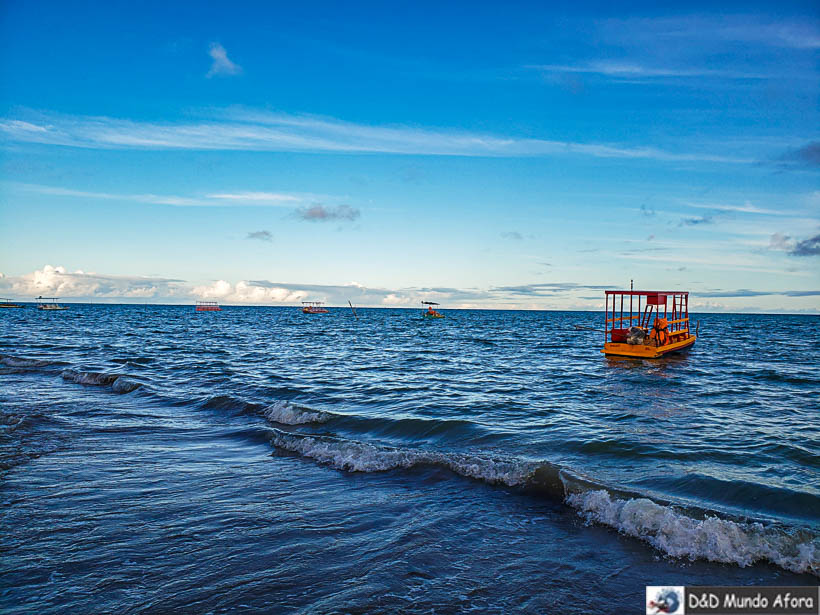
[430,312]
[646,324]
[313,307]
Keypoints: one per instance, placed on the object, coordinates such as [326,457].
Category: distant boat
[313,307]
[8,303]
[49,304]
[430,312]
[207,306]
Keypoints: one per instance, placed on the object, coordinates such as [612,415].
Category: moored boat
[313,307]
[207,306]
[49,304]
[430,312]
[646,324]
[8,303]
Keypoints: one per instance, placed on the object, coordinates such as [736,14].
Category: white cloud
[746,208]
[636,70]
[221,65]
[245,130]
[58,281]
[688,34]
[259,199]
[698,48]
[726,29]
[246,293]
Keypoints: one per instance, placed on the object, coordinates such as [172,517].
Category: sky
[491,155]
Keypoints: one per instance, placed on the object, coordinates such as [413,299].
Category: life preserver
[660,332]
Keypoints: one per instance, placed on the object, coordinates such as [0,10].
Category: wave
[281,411]
[20,365]
[355,456]
[661,525]
[672,530]
[10,361]
[286,413]
[225,402]
[119,383]
[711,538]
[775,376]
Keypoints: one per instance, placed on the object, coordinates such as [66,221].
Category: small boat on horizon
[8,303]
[313,307]
[207,306]
[49,304]
[430,312]
[652,324]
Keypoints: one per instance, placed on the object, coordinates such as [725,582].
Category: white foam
[713,539]
[285,413]
[356,456]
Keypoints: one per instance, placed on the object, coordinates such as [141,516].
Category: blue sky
[515,155]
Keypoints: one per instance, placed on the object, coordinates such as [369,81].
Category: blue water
[154,459]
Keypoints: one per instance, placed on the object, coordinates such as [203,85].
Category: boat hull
[639,351]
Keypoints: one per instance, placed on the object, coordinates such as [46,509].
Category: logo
[666,600]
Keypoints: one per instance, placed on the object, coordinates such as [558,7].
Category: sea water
[155,459]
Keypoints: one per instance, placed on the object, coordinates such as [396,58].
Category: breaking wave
[711,538]
[662,526]
[286,413]
[281,411]
[118,382]
[355,456]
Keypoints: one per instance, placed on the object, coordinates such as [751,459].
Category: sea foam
[711,538]
[357,456]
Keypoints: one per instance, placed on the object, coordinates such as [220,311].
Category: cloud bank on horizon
[417,156]
[87,286]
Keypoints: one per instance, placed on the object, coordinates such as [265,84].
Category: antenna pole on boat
[352,309]
[631,284]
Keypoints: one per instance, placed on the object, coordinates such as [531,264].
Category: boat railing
[624,309]
[620,318]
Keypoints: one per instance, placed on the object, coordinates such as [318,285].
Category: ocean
[156,460]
